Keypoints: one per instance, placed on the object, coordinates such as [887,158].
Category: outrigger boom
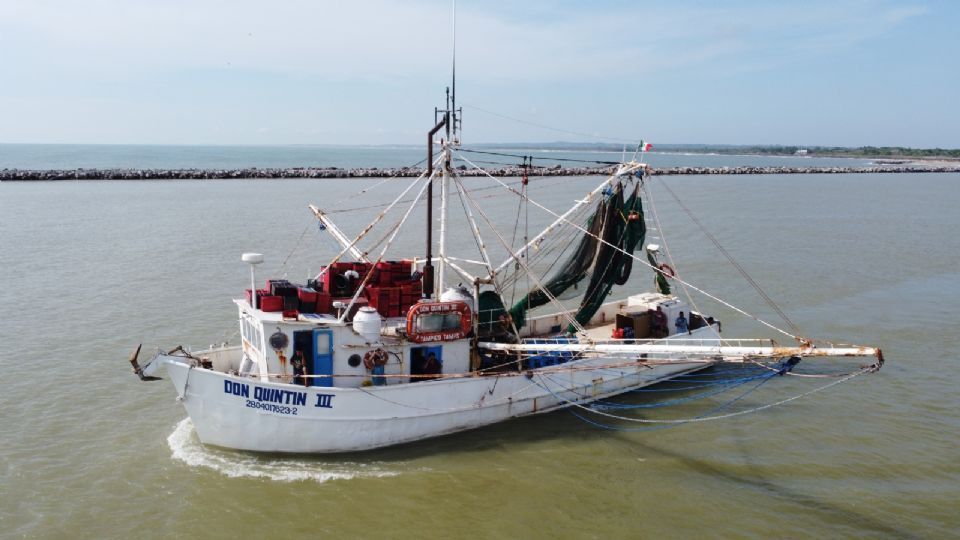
[727,352]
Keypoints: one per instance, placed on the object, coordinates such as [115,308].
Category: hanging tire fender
[376,357]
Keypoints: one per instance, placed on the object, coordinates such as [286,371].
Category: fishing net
[621,226]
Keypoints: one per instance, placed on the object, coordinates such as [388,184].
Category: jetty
[26,175]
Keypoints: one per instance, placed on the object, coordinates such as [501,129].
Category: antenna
[453,85]
[253,259]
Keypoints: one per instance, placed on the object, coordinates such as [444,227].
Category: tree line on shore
[893,152]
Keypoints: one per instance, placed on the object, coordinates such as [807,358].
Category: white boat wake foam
[187,448]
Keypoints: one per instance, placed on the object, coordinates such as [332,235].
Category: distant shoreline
[773,150]
[50,175]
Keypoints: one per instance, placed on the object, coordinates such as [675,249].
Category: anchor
[138,369]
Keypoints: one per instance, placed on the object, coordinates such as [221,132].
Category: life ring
[667,269]
[434,308]
[376,357]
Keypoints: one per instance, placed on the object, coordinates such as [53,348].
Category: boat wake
[185,447]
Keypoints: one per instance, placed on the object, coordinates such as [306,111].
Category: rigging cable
[526,268]
[520,156]
[498,288]
[635,258]
[701,418]
[673,263]
[733,262]
[516,227]
[551,128]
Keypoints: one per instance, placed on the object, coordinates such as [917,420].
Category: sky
[833,73]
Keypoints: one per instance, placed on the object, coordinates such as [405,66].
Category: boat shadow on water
[825,510]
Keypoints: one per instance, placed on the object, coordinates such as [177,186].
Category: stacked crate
[336,282]
[392,289]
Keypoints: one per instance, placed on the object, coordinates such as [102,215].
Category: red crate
[394,293]
[412,287]
[308,300]
[378,299]
[335,273]
[390,272]
[341,267]
[362,268]
[307,295]
[271,303]
[323,302]
[260,294]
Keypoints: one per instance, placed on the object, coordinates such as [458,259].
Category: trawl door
[322,358]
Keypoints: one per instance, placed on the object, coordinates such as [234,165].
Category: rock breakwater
[22,175]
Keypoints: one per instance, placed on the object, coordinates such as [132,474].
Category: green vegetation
[840,151]
[892,152]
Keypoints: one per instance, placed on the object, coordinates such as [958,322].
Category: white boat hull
[248,414]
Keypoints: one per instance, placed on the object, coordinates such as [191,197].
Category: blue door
[322,357]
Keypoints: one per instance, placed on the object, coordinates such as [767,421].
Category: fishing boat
[376,351]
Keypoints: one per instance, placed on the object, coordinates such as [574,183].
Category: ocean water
[91,269]
[92,156]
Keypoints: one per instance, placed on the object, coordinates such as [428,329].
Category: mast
[428,266]
[444,190]
[449,122]
[453,95]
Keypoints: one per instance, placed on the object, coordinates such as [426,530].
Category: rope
[724,387]
[381,205]
[562,239]
[506,398]
[530,158]
[526,269]
[733,262]
[551,128]
[386,248]
[641,261]
[723,416]
[475,231]
[382,215]
[673,263]
[378,184]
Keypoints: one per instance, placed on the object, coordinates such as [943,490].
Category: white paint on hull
[378,416]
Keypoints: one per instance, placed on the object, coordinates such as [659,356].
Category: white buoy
[253,259]
[367,323]
[458,294]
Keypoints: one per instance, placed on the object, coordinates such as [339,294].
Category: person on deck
[681,324]
[431,366]
[659,323]
[298,368]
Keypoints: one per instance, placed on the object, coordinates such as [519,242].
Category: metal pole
[253,288]
[444,187]
[428,265]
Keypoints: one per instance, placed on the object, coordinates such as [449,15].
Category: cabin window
[251,332]
[438,322]
[322,344]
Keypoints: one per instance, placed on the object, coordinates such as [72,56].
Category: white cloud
[379,40]
[124,70]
